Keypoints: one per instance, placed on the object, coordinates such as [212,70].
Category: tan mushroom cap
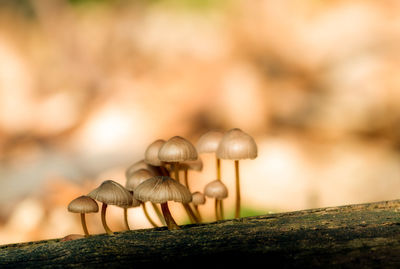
[216,189]
[237,145]
[177,149]
[196,165]
[139,165]
[137,177]
[198,198]
[160,189]
[113,193]
[208,142]
[151,153]
[83,204]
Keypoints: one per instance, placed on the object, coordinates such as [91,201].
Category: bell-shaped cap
[139,165]
[208,142]
[216,189]
[151,153]
[113,193]
[198,198]
[83,204]
[137,177]
[177,149]
[160,189]
[237,145]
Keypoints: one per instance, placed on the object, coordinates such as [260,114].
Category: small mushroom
[175,151]
[216,189]
[83,204]
[112,193]
[161,189]
[133,181]
[198,198]
[237,145]
[208,143]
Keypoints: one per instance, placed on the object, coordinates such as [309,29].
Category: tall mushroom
[133,181]
[111,193]
[161,189]
[83,205]
[216,189]
[237,145]
[208,143]
[175,151]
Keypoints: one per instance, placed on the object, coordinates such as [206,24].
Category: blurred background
[86,86]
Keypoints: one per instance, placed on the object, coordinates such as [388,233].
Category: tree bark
[355,236]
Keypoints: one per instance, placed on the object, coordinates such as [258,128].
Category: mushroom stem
[237,211]
[216,209]
[218,168]
[103,219]
[189,211]
[192,216]
[164,170]
[126,219]
[176,170]
[196,209]
[83,221]
[171,224]
[148,216]
[159,214]
[221,205]
[185,177]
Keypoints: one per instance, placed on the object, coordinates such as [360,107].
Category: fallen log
[364,235]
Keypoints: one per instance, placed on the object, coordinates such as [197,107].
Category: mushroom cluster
[155,180]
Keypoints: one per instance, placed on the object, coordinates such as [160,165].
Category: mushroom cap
[139,165]
[113,193]
[160,189]
[151,153]
[208,142]
[196,165]
[177,149]
[137,177]
[198,198]
[83,204]
[237,145]
[216,189]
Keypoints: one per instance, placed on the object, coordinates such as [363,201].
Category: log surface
[356,236]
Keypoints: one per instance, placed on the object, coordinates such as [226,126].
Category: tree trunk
[366,235]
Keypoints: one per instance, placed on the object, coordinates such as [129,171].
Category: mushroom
[140,165]
[208,143]
[216,189]
[175,151]
[161,189]
[198,198]
[83,204]
[237,145]
[151,156]
[133,181]
[112,193]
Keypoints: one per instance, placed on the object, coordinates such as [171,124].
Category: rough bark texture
[366,235]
